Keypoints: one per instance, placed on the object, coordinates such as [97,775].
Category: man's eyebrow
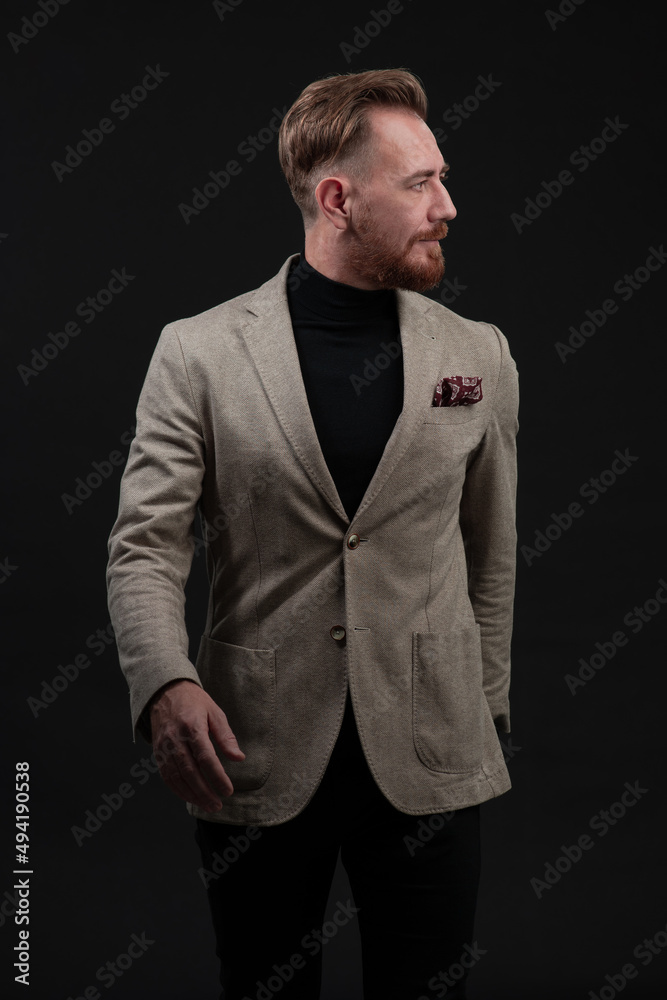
[427,173]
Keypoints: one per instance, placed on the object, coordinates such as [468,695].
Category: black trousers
[414,880]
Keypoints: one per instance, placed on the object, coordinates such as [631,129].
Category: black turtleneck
[349,347]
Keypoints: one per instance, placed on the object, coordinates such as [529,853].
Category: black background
[569,754]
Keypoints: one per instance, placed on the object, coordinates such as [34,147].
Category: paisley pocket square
[458,390]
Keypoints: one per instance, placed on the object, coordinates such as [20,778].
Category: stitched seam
[430,568]
[187,375]
[500,367]
[259,563]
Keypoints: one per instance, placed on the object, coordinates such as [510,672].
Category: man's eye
[419,185]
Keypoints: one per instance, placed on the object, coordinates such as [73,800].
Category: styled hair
[328,128]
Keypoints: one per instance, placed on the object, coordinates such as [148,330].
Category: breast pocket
[448,699]
[449,416]
[242,681]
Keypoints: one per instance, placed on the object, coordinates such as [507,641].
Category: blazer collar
[270,339]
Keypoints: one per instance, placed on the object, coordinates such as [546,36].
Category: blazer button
[353,541]
[337,632]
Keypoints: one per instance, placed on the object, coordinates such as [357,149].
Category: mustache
[438,233]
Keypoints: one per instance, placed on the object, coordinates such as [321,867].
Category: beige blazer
[410,604]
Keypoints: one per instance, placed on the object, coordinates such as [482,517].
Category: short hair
[328,127]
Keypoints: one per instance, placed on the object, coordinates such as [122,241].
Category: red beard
[378,258]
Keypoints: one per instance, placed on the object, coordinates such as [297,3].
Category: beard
[380,258]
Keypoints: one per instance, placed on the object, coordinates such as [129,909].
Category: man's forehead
[402,136]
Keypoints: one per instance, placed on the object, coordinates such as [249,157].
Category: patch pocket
[448,699]
[242,682]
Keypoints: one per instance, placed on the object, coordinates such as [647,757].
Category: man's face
[402,210]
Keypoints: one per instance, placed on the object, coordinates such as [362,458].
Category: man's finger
[223,736]
[213,773]
[181,772]
[176,784]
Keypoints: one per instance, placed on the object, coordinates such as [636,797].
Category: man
[350,445]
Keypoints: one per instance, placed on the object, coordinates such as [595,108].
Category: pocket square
[458,390]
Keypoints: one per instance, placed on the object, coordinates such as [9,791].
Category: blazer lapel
[270,339]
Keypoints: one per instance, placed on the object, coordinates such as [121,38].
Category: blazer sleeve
[488,526]
[152,541]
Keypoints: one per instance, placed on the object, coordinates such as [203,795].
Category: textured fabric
[419,586]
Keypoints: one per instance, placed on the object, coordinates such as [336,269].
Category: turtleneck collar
[333,299]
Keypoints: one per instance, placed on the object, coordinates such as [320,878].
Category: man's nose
[442,207]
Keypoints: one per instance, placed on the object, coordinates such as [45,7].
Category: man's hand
[182,715]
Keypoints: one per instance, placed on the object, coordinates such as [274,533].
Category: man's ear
[332,195]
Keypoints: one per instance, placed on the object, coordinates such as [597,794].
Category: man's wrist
[144,721]
[160,691]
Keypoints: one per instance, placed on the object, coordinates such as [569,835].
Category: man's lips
[432,239]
